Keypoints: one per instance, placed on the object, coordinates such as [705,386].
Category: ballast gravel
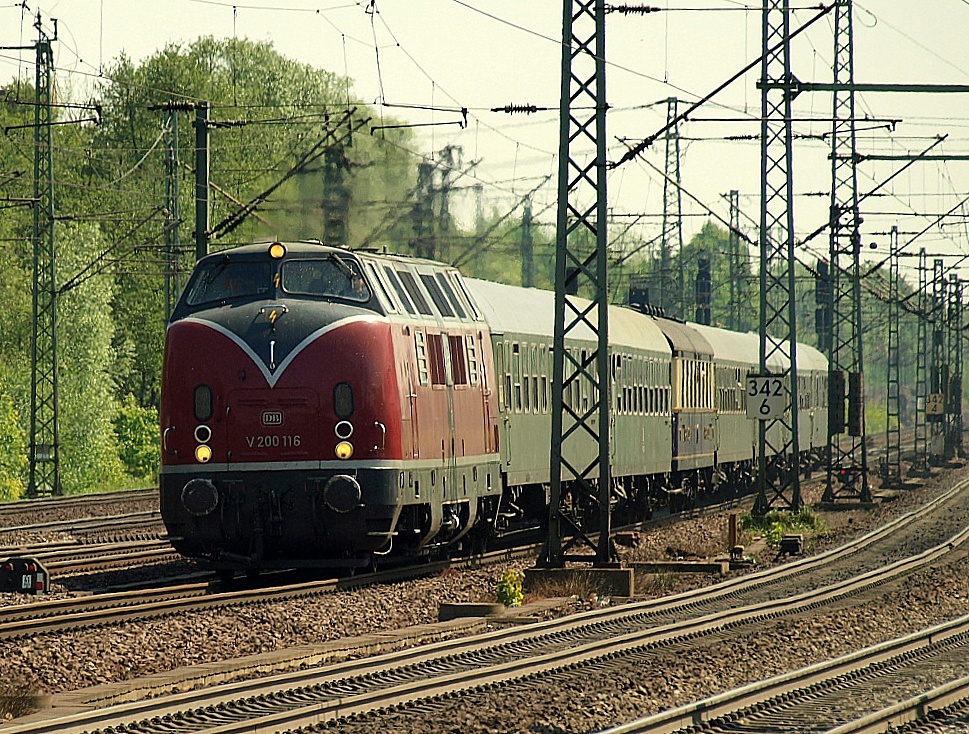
[589,700]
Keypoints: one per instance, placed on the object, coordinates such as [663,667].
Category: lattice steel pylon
[580,470]
[892,468]
[737,264]
[935,405]
[672,235]
[45,478]
[920,460]
[956,326]
[172,211]
[847,458]
[778,478]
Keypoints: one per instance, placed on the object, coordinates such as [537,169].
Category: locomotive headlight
[202,453]
[276,251]
[344,450]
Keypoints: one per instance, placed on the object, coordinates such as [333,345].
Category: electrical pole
[202,228]
[672,291]
[847,465]
[422,222]
[737,265]
[935,405]
[576,482]
[778,477]
[45,478]
[892,470]
[527,246]
[336,195]
[172,210]
[703,289]
[920,463]
[953,384]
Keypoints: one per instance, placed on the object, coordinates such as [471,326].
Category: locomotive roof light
[203,453]
[276,251]
[344,450]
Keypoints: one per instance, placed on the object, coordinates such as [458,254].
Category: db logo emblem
[272,418]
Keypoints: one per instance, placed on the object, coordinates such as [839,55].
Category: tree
[88,406]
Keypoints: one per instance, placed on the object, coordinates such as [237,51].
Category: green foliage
[777,523]
[13,450]
[136,429]
[89,452]
[508,590]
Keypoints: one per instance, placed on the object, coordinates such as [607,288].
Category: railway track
[150,520]
[425,677]
[84,502]
[849,695]
[114,607]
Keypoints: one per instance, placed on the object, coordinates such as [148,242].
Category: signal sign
[767,397]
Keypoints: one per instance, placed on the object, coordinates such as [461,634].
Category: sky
[422,60]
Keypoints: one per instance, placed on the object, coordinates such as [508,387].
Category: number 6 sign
[767,397]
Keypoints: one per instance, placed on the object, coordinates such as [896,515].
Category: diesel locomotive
[327,407]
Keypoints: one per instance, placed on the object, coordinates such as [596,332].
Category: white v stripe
[272,377]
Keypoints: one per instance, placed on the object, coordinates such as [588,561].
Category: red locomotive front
[289,415]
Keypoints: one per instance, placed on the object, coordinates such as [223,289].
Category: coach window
[399,289]
[414,291]
[516,377]
[535,369]
[500,363]
[526,405]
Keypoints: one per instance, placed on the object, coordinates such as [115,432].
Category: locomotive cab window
[334,277]
[228,280]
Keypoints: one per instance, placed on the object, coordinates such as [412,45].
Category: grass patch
[580,585]
[18,698]
[777,523]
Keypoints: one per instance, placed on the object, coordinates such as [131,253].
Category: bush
[509,589]
[136,429]
[777,523]
[13,451]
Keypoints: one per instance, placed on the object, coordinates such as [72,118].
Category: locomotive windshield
[334,277]
[226,280]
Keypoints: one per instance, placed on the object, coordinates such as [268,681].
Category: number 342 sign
[767,397]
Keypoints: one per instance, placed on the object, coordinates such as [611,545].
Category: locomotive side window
[435,354]
[459,366]
[451,296]
[463,295]
[225,279]
[443,307]
[383,295]
[399,289]
[414,291]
